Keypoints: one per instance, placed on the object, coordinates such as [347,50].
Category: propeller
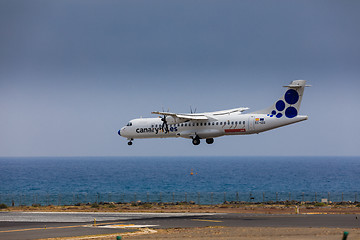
[165,124]
[192,111]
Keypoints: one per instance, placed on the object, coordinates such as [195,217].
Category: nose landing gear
[196,140]
[130,141]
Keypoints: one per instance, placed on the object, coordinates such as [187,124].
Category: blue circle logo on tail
[280,105]
[291,96]
[291,112]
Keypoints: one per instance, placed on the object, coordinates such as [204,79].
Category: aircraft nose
[121,132]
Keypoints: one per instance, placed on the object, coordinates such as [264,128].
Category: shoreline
[246,208]
[212,232]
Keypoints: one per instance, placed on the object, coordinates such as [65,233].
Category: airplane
[209,125]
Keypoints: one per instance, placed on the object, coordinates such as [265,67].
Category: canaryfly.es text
[154,130]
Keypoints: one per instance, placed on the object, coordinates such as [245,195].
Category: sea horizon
[280,177]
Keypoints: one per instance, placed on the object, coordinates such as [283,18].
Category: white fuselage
[228,124]
[210,125]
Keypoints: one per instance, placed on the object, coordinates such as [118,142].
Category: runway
[35,225]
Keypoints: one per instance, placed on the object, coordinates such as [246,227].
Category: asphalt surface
[30,225]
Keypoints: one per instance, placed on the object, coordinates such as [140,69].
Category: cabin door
[251,123]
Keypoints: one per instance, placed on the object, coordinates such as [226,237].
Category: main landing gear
[209,140]
[196,140]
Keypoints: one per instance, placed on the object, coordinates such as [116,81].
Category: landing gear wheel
[130,143]
[209,140]
[196,141]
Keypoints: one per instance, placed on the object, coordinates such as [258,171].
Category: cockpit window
[129,124]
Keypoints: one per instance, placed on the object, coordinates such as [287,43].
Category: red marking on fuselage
[234,130]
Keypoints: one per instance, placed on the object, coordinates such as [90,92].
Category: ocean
[68,180]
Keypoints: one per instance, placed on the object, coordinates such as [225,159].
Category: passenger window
[232,122]
[217,123]
[213,123]
[244,122]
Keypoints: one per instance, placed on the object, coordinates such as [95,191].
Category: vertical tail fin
[289,104]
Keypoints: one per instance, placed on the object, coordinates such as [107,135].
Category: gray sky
[74,72]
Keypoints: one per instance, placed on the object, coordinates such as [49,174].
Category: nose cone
[122,132]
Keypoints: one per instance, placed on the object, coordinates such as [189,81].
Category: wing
[223,112]
[183,116]
[200,116]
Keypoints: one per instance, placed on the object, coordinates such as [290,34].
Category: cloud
[73,72]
